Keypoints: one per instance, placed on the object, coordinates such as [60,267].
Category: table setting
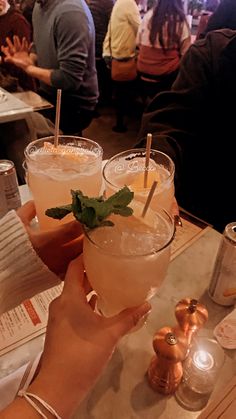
[173,363]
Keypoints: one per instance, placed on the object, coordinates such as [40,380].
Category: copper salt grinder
[191,316]
[165,370]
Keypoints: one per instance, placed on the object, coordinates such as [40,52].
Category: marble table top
[123,392]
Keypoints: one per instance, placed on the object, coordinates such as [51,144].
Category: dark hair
[172,13]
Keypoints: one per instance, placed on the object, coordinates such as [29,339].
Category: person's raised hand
[17,52]
[79,343]
[56,247]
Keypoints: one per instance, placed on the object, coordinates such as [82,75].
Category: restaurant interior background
[101,127]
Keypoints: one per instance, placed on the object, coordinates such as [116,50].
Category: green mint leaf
[122,198]
[92,212]
[59,212]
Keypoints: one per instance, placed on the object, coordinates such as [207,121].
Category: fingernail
[178,221]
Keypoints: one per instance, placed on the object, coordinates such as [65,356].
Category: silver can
[9,189]
[222,287]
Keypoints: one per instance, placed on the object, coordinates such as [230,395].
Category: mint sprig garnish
[93,212]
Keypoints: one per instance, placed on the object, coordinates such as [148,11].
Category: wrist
[34,408]
[21,408]
[64,399]
[29,69]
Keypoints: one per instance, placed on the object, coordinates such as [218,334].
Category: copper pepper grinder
[191,316]
[165,370]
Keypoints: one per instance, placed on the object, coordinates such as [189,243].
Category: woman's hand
[55,247]
[78,344]
[18,52]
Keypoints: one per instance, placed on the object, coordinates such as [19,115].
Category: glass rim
[172,235]
[136,150]
[50,137]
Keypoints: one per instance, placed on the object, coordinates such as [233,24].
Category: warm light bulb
[203,360]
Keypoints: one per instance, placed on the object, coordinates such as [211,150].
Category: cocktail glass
[52,172]
[126,263]
[128,168]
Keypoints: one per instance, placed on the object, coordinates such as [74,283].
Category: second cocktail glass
[52,172]
[127,263]
[128,168]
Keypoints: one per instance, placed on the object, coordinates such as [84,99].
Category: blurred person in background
[63,57]
[120,45]
[13,23]
[163,38]
[200,142]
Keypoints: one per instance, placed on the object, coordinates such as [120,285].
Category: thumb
[128,318]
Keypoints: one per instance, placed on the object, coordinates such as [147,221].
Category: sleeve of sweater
[22,272]
[133,15]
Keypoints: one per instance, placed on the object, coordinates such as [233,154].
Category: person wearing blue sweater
[62,57]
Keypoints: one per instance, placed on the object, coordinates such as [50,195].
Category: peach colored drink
[127,263]
[127,168]
[52,173]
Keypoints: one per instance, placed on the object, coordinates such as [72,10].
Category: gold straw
[148,150]
[57,121]
[149,198]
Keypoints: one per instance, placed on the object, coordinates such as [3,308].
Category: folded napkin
[19,379]
[225,331]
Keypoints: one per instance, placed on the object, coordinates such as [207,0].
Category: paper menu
[26,321]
